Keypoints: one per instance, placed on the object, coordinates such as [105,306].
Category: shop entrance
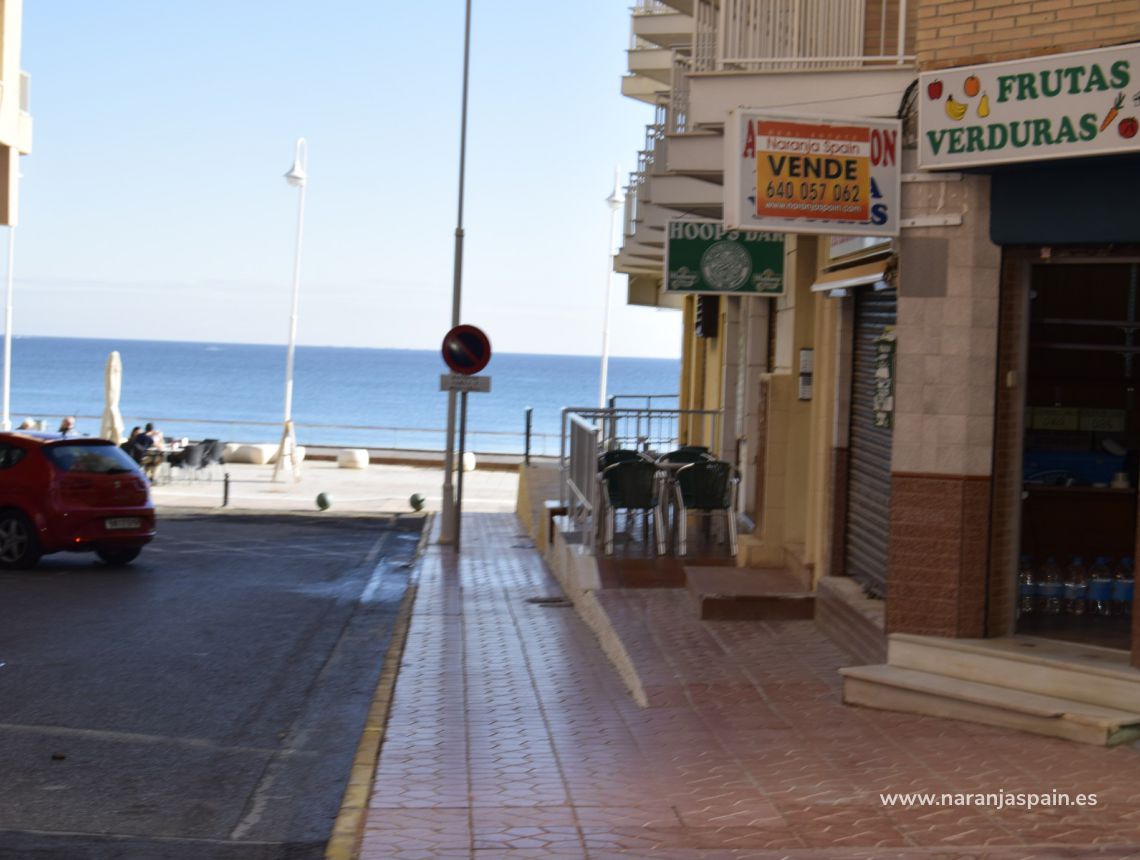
[1081,453]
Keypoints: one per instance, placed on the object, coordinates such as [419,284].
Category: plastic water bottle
[1050,587]
[1122,586]
[1077,585]
[1100,588]
[1026,588]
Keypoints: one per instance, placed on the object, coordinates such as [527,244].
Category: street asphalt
[205,702]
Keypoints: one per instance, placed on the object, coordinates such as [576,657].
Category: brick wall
[968,32]
[939,546]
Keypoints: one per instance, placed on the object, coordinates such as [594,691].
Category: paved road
[205,702]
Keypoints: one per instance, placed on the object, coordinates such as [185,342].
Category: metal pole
[529,417]
[6,422]
[462,448]
[616,200]
[449,521]
[226,490]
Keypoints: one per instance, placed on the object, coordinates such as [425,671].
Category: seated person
[155,435]
[67,426]
[137,444]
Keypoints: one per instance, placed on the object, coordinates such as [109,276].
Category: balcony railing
[652,7]
[754,35]
[810,34]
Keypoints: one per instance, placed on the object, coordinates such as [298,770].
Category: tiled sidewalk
[511,737]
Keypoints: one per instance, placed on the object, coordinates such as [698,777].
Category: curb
[348,829]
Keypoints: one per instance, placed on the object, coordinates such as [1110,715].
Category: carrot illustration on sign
[1111,115]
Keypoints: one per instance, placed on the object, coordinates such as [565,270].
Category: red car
[70,494]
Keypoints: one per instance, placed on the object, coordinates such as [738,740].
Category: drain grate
[553,602]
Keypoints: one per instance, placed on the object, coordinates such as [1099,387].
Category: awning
[851,276]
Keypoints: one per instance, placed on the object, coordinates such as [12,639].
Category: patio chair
[618,455]
[632,485]
[706,487]
[189,459]
[687,454]
[213,456]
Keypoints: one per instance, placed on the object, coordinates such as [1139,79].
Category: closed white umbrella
[112,426]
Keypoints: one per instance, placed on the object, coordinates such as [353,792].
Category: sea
[342,396]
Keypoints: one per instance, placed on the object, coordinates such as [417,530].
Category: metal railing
[322,435]
[581,441]
[644,401]
[652,7]
[677,121]
[809,34]
[588,431]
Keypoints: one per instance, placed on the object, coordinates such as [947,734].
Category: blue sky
[153,204]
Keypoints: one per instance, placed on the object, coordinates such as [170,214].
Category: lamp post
[616,200]
[287,451]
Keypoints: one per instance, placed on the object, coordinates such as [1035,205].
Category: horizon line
[325,346]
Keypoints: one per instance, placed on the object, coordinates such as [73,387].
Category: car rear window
[10,455]
[90,459]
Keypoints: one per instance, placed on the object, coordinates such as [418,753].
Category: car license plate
[118,523]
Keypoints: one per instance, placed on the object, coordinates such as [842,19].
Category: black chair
[618,455]
[214,455]
[188,459]
[632,485]
[705,487]
[687,454]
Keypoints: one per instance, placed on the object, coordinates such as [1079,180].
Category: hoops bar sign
[812,175]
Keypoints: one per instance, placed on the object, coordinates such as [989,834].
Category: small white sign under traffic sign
[460,382]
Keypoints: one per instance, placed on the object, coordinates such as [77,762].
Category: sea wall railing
[541,444]
[587,431]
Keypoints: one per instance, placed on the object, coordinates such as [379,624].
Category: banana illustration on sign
[955,110]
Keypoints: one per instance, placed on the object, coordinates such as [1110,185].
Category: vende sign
[1060,106]
[794,174]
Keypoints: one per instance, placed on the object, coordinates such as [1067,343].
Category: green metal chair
[632,485]
[706,487]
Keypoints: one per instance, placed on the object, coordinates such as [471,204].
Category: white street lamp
[616,200]
[287,451]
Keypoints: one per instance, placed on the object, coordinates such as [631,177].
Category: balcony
[662,26]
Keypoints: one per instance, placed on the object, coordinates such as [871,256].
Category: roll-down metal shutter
[869,451]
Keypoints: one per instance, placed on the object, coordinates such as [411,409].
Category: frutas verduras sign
[701,256]
[799,174]
[1059,106]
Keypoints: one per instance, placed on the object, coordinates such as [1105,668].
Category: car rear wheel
[19,547]
[118,555]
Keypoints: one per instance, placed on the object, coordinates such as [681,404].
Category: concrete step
[895,689]
[1082,673]
[743,593]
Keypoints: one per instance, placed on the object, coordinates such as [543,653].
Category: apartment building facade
[920,414]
